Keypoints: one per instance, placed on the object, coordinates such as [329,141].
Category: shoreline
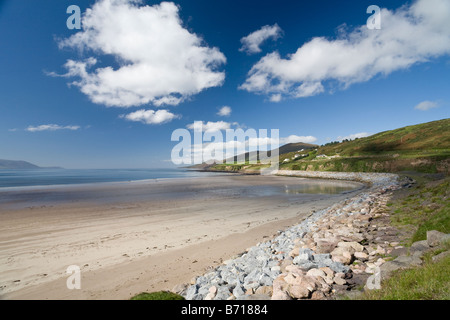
[160,272]
[371,178]
[106,183]
[105,239]
[311,260]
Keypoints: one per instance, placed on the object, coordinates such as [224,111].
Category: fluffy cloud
[150,116]
[158,60]
[426,105]
[225,111]
[354,136]
[211,126]
[51,127]
[410,35]
[308,89]
[251,43]
[296,139]
[275,98]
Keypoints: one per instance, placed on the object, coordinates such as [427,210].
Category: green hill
[427,138]
[423,147]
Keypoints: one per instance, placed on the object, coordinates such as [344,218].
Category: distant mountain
[17,165]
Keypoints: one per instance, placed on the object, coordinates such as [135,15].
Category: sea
[51,177]
[29,188]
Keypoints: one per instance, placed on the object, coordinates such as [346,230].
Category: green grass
[431,137]
[425,207]
[420,209]
[381,163]
[424,148]
[428,282]
[439,221]
[160,295]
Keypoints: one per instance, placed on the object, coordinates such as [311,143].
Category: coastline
[100,182]
[148,243]
[316,259]
[371,178]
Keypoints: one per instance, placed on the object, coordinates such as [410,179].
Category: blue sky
[317,74]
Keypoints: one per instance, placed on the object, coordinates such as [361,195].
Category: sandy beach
[150,235]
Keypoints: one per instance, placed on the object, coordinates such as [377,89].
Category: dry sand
[133,237]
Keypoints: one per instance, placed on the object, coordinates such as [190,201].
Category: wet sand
[150,235]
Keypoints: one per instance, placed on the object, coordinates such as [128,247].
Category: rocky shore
[330,252]
[374,179]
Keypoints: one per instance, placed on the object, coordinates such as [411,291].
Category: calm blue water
[46,177]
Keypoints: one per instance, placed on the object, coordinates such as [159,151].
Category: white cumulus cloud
[251,43]
[309,89]
[210,126]
[408,36]
[150,116]
[157,60]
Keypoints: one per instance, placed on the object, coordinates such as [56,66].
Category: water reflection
[318,189]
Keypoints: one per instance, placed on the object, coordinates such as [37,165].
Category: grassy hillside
[423,147]
[430,138]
